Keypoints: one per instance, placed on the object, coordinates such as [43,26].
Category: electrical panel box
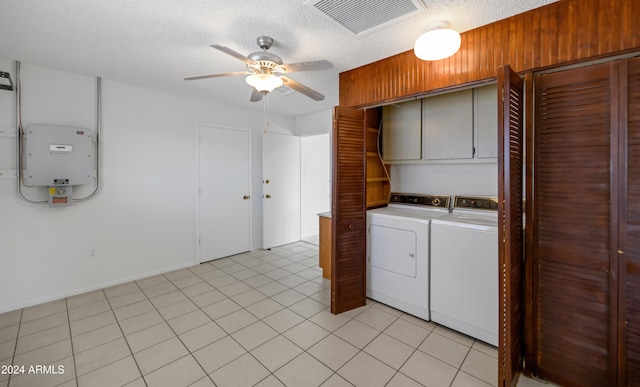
[57,155]
[60,196]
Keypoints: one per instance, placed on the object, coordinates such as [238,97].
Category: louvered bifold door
[574,253]
[510,236]
[630,229]
[348,213]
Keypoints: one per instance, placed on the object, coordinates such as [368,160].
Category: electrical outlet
[92,254]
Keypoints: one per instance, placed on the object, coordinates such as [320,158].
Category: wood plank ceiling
[560,33]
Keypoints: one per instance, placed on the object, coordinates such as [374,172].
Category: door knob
[267,196]
[246,197]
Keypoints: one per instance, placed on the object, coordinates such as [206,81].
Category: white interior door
[281,190]
[224,192]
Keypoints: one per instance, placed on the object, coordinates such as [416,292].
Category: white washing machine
[398,251]
[464,268]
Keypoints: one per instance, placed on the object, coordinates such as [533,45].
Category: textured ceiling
[155,43]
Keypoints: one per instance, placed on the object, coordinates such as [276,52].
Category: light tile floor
[260,318]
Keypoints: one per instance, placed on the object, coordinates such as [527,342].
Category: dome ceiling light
[264,82]
[438,42]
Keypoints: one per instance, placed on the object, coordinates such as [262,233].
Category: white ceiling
[155,43]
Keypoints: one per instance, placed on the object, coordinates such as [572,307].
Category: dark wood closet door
[630,229]
[348,213]
[510,252]
[575,240]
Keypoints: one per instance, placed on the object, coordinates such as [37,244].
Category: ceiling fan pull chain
[265,113]
[267,110]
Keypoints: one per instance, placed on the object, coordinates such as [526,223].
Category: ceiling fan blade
[302,89]
[192,78]
[256,95]
[306,66]
[233,53]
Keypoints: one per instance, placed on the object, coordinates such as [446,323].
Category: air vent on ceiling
[283,90]
[363,16]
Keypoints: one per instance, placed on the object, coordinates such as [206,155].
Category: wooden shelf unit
[378,184]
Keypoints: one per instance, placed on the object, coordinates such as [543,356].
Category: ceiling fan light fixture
[264,82]
[439,42]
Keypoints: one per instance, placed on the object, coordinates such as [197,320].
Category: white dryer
[398,251]
[464,268]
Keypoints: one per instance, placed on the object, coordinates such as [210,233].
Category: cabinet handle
[267,196]
[411,255]
[351,226]
[246,197]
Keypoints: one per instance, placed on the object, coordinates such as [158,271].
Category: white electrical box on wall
[57,155]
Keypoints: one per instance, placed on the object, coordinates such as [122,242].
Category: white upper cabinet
[401,131]
[447,126]
[486,121]
[460,126]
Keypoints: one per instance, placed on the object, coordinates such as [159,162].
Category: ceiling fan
[262,67]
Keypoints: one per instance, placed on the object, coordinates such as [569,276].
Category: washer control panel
[476,203]
[441,201]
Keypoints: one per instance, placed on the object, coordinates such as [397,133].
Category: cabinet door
[348,211]
[486,121]
[447,126]
[510,238]
[401,131]
[630,233]
[574,273]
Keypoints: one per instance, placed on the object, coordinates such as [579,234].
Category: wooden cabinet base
[325,246]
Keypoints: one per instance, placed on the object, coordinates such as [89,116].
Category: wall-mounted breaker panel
[57,155]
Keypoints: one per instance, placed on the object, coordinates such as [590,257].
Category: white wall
[143,220]
[315,182]
[314,123]
[315,129]
[447,179]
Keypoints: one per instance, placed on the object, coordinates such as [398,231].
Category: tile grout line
[396,370]
[259,319]
[409,357]
[73,353]
[463,360]
[272,373]
[369,342]
[333,372]
[15,347]
[242,308]
[20,327]
[173,330]
[212,320]
[124,337]
[178,336]
[304,351]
